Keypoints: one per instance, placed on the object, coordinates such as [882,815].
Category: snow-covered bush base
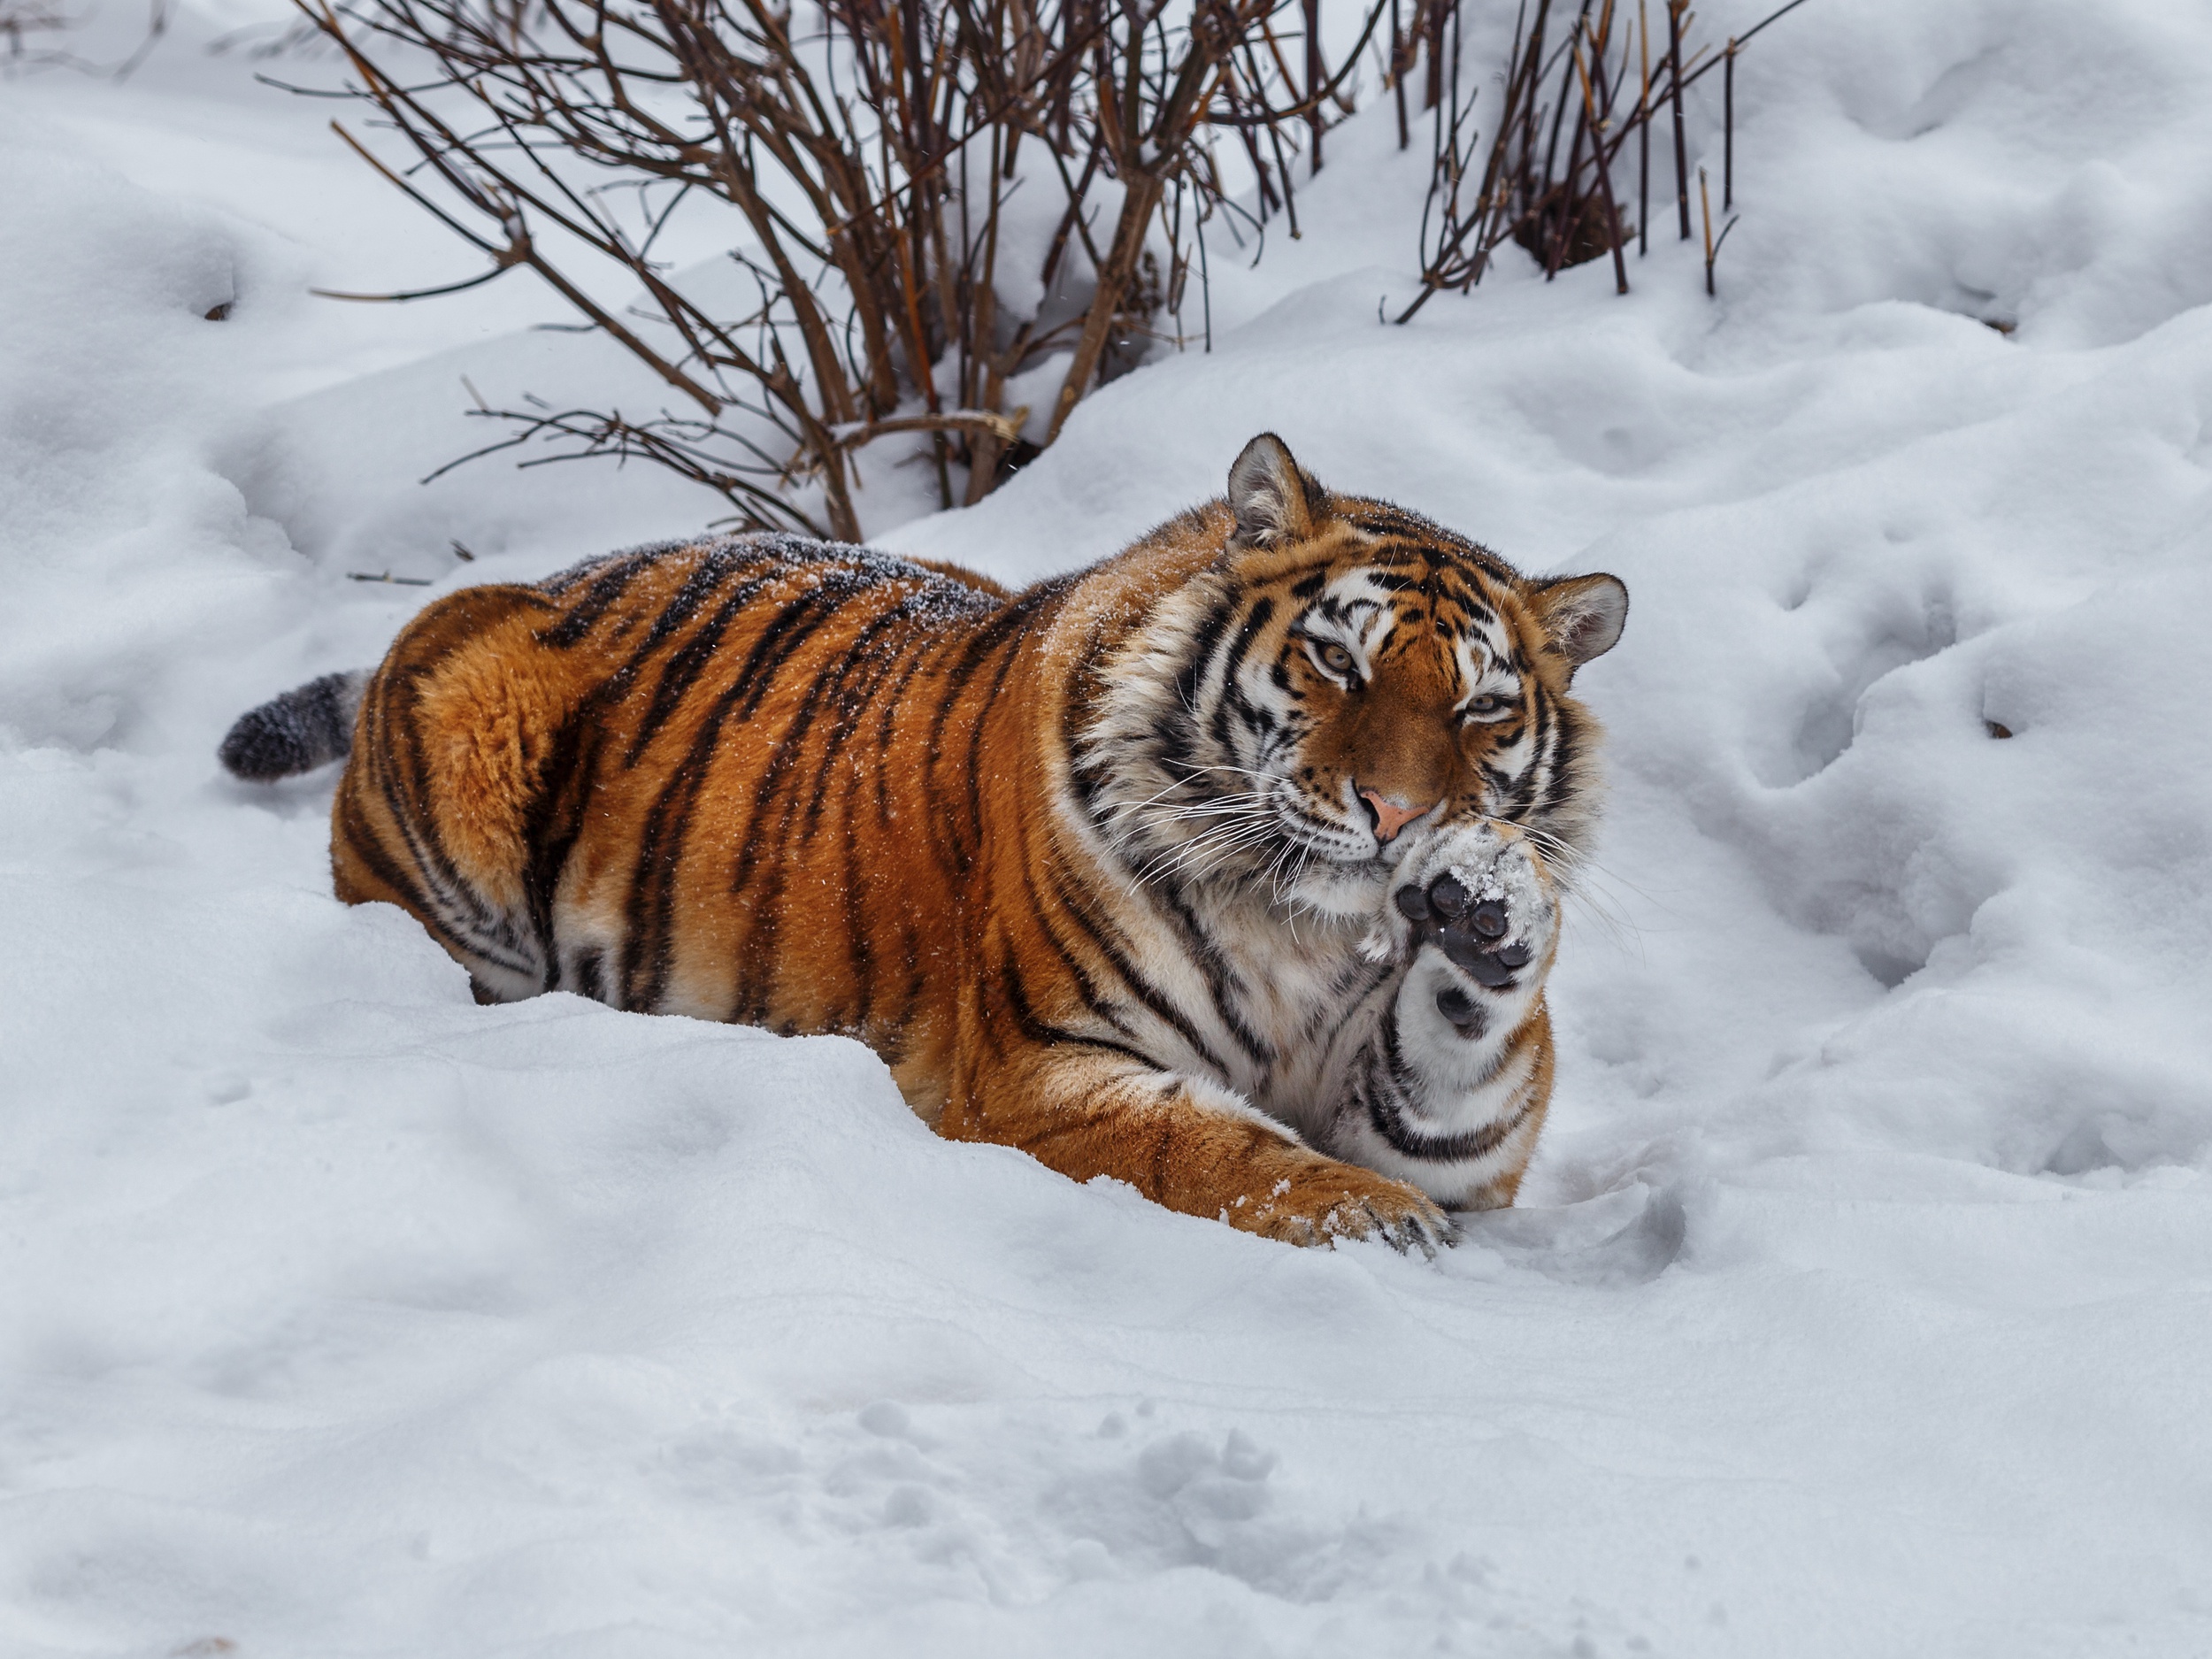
[1859,1302]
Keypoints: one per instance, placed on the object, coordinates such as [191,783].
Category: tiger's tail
[308,727]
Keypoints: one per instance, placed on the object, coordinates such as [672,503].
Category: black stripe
[1037,1029]
[690,660]
[859,947]
[893,700]
[1011,653]
[1234,700]
[602,593]
[363,842]
[1087,987]
[832,687]
[442,899]
[791,629]
[649,950]
[590,981]
[1224,985]
[1390,1124]
[551,825]
[1141,988]
[993,635]
[1566,752]
[416,817]
[1203,638]
[758,968]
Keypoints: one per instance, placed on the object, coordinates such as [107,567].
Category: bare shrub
[1599,83]
[944,218]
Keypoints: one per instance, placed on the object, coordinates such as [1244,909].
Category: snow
[1861,1297]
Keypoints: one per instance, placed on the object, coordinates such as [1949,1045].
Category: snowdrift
[1861,1300]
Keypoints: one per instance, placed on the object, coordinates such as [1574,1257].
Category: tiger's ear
[1583,615]
[1275,500]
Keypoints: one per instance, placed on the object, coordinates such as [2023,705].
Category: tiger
[1229,867]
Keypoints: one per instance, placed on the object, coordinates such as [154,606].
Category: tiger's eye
[1337,657]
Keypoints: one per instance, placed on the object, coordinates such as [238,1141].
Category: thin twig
[1675,9]
[1728,132]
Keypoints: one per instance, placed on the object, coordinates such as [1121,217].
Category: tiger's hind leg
[462,734]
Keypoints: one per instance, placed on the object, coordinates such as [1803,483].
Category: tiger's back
[736,780]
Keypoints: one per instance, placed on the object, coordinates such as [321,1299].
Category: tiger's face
[1346,678]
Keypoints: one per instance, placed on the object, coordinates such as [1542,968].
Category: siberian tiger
[1229,867]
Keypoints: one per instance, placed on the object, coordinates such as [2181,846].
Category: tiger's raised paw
[1488,908]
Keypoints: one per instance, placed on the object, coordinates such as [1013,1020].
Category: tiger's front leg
[1184,1143]
[1449,1091]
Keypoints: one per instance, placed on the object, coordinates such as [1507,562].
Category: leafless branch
[864,158]
[1602,82]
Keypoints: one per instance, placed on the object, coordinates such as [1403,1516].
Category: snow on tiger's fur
[1229,867]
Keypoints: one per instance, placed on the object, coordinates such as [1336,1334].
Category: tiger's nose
[1390,816]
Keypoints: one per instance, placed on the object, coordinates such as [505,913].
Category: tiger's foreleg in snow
[1449,1088]
[1184,1143]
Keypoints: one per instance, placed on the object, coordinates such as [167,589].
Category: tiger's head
[1338,678]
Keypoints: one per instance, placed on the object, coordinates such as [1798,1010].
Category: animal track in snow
[1893,632]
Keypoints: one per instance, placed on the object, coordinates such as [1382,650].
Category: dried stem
[1675,9]
[1643,132]
[1728,130]
[1605,177]
[1705,207]
[1712,242]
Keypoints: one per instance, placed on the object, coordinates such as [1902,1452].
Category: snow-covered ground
[1862,1299]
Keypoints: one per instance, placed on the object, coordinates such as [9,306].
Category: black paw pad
[1467,929]
[1461,1009]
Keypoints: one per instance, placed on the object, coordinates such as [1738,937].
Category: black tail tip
[265,745]
[306,727]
